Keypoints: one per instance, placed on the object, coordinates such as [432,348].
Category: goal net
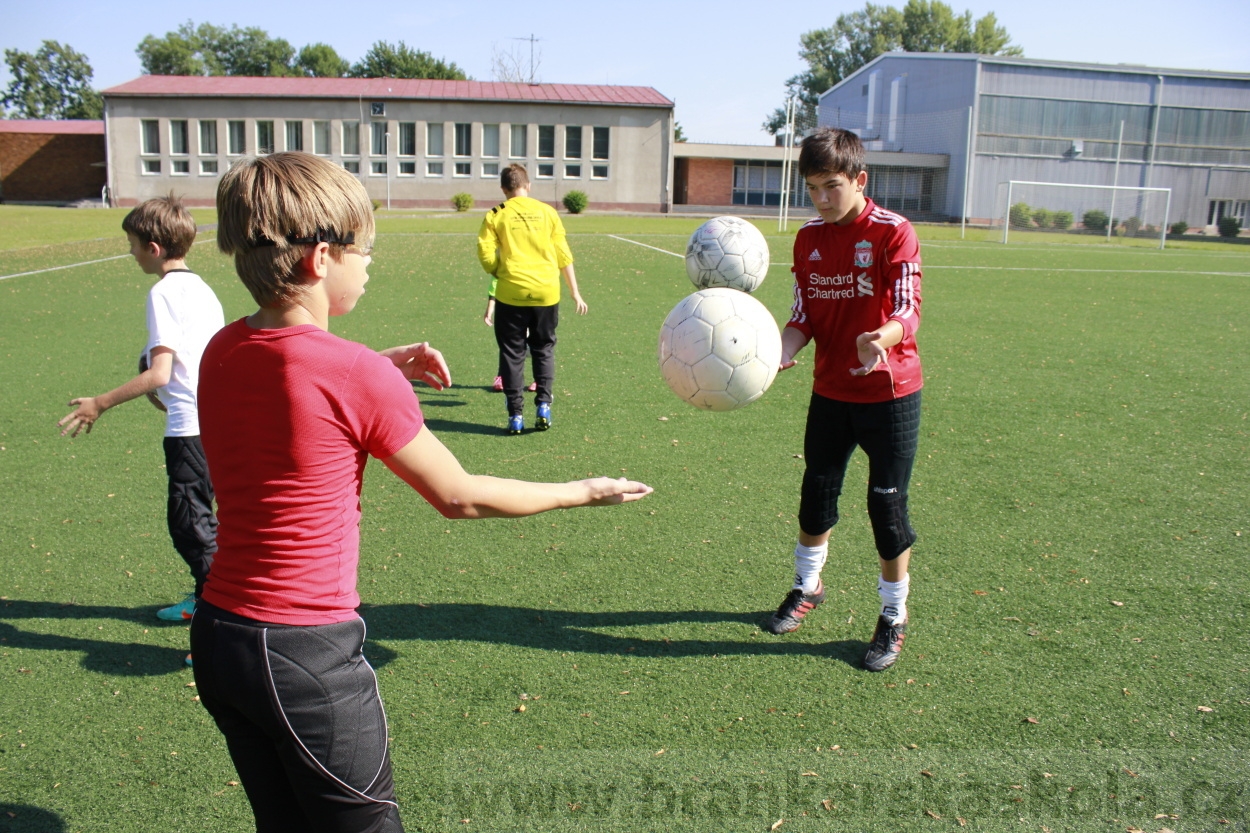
[1032,211]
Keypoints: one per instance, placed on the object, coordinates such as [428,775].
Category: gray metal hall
[1045,121]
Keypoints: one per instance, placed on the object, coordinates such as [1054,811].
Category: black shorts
[889,434]
[303,721]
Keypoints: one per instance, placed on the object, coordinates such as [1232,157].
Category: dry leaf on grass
[931,814]
[1205,709]
[776,824]
[1117,604]
[827,804]
[1030,720]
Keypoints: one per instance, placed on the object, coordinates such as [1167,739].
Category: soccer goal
[1113,211]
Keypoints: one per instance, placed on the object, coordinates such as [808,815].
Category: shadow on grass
[447,426]
[577,631]
[23,818]
[123,659]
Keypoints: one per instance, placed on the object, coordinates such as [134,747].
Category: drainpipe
[1154,130]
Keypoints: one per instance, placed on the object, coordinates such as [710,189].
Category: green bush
[1131,226]
[1062,220]
[1095,221]
[576,201]
[376,204]
[1179,227]
[462,201]
[1229,227]
[1043,217]
[1020,215]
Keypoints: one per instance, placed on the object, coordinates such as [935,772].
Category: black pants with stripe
[192,524]
[303,721]
[515,329]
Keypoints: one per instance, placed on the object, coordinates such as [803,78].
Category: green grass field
[1077,658]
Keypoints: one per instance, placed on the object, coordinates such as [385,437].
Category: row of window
[379,136]
[380,167]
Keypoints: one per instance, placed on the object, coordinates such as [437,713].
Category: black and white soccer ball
[727,251]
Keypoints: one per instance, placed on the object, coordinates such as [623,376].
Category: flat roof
[80,127]
[386,89]
[769,153]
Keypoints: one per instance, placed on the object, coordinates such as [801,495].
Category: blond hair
[266,204]
[164,221]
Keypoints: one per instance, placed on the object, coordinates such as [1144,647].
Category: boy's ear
[315,262]
[156,250]
[862,179]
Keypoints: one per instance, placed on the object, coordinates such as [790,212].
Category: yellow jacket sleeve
[488,243]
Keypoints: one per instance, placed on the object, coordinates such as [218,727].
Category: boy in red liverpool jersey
[857,294]
[289,416]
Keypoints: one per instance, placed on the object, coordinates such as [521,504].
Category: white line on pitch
[645,246]
[67,266]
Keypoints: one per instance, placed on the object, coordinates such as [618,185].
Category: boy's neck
[520,192]
[176,264]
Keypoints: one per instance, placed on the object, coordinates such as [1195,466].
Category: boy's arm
[488,317]
[904,272]
[488,246]
[420,362]
[89,408]
[426,465]
[792,341]
[570,277]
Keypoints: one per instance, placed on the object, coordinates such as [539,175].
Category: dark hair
[832,150]
[514,177]
[164,221]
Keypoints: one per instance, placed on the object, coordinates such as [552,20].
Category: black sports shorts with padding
[303,721]
[889,433]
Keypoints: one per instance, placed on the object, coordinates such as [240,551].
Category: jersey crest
[863,254]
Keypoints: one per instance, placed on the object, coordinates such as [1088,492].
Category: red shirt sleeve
[903,273]
[378,405]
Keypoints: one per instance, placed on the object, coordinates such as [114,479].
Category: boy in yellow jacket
[522,243]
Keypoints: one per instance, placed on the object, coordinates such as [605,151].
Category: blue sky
[724,64]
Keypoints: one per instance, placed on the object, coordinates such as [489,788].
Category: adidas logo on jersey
[815,255]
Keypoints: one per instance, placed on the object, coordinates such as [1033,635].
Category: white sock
[808,562]
[894,598]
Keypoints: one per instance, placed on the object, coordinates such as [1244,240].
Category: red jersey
[852,279]
[288,418]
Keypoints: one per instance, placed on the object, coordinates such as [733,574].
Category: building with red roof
[413,142]
[45,161]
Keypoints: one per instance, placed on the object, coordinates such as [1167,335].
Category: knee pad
[891,527]
[818,503]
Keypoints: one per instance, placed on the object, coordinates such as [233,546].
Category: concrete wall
[639,172]
[45,167]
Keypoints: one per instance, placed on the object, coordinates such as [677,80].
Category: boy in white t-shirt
[182,315]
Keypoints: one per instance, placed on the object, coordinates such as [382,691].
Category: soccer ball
[727,251]
[719,349]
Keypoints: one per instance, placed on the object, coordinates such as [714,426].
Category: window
[236,138]
[208,139]
[464,168]
[572,171]
[351,166]
[321,138]
[490,141]
[264,137]
[407,168]
[377,167]
[407,138]
[179,144]
[573,142]
[464,139]
[377,109]
[150,138]
[598,171]
[433,168]
[180,167]
[546,141]
[516,141]
[600,148]
[434,141]
[377,138]
[351,140]
[151,167]
[546,171]
[295,135]
[208,167]
[757,182]
[490,169]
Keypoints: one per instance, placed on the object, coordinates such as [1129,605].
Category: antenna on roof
[533,40]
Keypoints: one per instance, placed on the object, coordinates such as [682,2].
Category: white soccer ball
[719,349]
[727,251]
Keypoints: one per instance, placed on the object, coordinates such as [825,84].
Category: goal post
[1121,211]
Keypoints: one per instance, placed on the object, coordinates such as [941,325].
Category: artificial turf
[1077,656]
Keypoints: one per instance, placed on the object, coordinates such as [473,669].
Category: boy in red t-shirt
[289,416]
[857,294]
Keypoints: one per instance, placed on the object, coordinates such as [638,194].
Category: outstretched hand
[84,415]
[606,491]
[870,353]
[421,363]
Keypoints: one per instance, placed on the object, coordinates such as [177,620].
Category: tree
[317,60]
[858,37]
[679,135]
[401,61]
[215,50]
[518,65]
[53,83]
